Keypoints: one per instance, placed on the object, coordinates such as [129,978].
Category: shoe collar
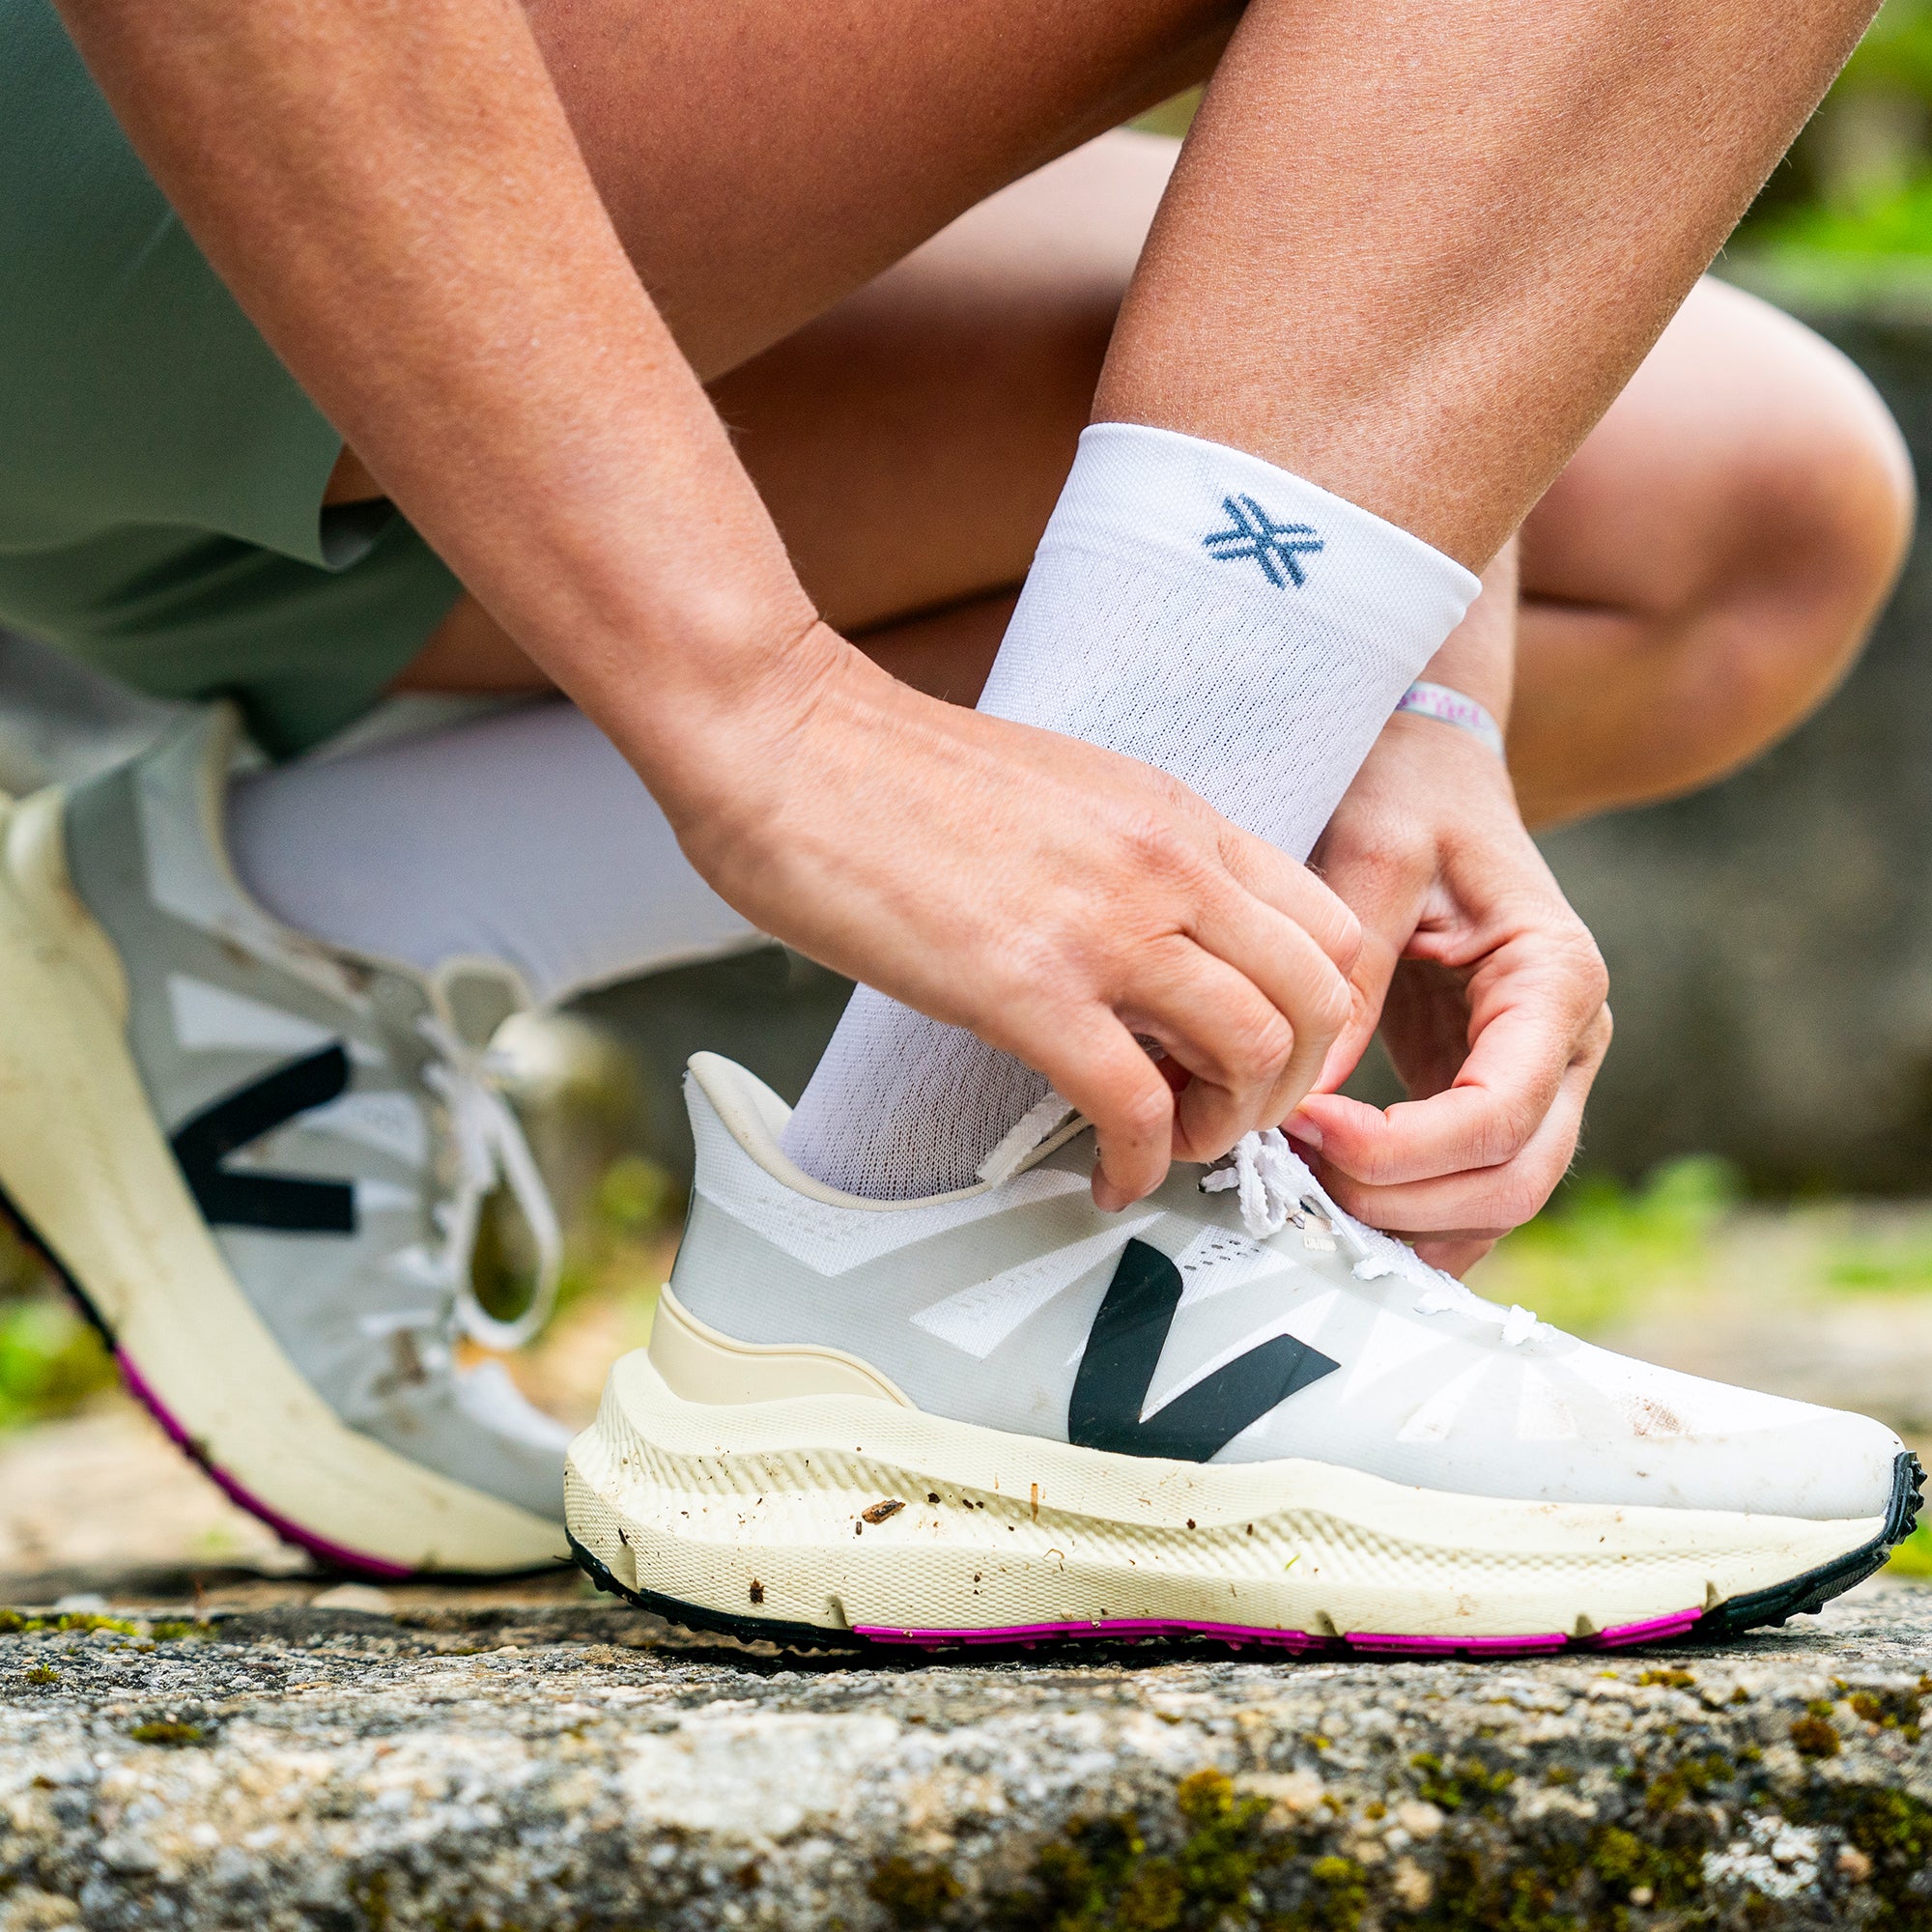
[471,996]
[754,1117]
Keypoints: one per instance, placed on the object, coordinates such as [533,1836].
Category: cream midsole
[758,1510]
[83,1160]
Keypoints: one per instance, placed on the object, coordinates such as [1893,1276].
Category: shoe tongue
[1028,1141]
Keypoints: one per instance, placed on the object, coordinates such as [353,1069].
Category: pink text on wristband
[1452,708]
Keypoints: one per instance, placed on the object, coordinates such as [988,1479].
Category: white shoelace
[1271,1181]
[489,1148]
[1276,1188]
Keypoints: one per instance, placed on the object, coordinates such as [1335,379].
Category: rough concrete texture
[572,1765]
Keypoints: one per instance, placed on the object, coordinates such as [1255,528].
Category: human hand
[1062,901]
[1489,990]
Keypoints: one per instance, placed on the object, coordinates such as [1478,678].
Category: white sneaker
[259,1161]
[1001,1415]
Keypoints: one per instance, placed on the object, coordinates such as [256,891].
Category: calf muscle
[1415,257]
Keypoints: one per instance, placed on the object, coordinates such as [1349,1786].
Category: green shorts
[161,471]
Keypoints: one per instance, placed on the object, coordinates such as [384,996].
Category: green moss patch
[169,1734]
[1468,1783]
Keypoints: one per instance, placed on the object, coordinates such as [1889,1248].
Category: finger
[1387,898]
[1481,1204]
[1275,879]
[1214,1023]
[1099,1068]
[1296,980]
[1528,1033]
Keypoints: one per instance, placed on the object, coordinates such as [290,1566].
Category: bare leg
[1429,320]
[1413,258]
[911,442]
[1693,584]
[1703,572]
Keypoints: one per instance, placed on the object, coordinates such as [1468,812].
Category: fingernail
[1299,1127]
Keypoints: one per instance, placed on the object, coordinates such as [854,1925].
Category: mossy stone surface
[577,1767]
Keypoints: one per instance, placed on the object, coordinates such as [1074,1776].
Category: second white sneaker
[1001,1415]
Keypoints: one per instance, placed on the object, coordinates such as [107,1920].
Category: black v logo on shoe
[1122,1350]
[239,1197]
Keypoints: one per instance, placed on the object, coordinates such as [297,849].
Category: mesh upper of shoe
[978,1306]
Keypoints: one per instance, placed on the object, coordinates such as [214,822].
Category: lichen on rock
[578,1767]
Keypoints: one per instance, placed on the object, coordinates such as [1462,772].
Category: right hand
[1062,901]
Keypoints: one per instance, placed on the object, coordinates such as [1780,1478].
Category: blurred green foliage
[1601,1249]
[1892,1262]
[1913,1556]
[1171,117]
[1891,223]
[51,1360]
[1859,180]
[636,1198]
[1895,53]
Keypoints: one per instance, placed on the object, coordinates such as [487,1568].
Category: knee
[1813,518]
[1715,554]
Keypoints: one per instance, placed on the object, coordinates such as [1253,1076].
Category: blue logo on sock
[1278,547]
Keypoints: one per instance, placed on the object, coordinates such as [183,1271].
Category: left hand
[1489,990]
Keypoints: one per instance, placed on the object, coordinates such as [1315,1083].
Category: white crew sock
[522,836]
[1206,613]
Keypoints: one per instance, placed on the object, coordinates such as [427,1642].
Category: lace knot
[1269,1180]
[1275,1187]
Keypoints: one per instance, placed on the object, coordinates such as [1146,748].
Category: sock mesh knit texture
[1206,613]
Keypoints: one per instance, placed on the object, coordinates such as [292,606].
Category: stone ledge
[575,1765]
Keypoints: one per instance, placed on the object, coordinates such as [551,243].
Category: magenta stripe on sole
[318,1545]
[1374,1644]
[1369,1643]
[1114,1626]
[1655,1630]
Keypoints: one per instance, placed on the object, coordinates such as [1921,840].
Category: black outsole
[1806,1595]
[1803,1595]
[721,1623]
